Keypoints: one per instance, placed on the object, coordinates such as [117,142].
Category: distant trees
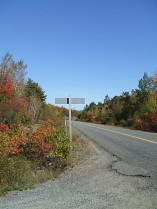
[137,109]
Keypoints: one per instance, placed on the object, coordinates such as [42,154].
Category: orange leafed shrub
[141,124]
[90,116]
[7,87]
[37,146]
[147,124]
[4,128]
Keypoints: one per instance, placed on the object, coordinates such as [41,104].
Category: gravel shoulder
[94,182]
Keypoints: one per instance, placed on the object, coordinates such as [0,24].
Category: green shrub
[123,123]
[26,119]
[14,174]
[12,118]
[62,145]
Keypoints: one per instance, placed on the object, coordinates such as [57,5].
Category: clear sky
[85,48]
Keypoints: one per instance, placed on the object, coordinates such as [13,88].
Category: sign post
[65,123]
[70,130]
[70,101]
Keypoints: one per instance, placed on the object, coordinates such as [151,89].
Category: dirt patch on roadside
[81,149]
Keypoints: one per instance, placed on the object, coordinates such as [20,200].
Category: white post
[65,123]
[70,101]
[70,130]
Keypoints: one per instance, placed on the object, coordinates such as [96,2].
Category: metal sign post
[65,124]
[70,130]
[70,101]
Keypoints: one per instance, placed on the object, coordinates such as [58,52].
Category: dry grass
[81,149]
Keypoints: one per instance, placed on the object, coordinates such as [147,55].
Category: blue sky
[85,48]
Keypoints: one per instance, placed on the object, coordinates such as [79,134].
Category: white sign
[70,101]
[66,100]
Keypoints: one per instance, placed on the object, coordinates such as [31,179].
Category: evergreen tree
[33,89]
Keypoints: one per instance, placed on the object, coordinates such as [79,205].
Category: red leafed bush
[37,146]
[29,149]
[7,87]
[153,121]
[90,116]
[4,128]
[147,124]
[141,124]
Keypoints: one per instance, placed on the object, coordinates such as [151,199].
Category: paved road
[137,149]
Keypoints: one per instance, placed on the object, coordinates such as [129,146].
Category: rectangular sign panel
[66,100]
[61,101]
[77,100]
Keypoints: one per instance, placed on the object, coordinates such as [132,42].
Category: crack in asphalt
[130,172]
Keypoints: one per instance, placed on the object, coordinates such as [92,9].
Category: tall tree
[6,87]
[15,70]
[147,83]
[107,99]
[33,89]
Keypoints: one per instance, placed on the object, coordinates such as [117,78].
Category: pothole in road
[129,170]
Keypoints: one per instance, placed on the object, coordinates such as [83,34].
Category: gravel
[93,183]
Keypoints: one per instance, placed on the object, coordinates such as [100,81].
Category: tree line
[22,100]
[30,129]
[136,109]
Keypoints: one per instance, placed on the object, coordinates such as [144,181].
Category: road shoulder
[117,184]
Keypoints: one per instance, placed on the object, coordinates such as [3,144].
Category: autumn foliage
[6,87]
[22,104]
[137,109]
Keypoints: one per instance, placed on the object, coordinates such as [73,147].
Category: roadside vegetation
[137,109]
[31,131]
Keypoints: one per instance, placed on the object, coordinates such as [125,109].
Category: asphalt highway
[135,148]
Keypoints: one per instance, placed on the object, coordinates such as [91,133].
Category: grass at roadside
[16,175]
